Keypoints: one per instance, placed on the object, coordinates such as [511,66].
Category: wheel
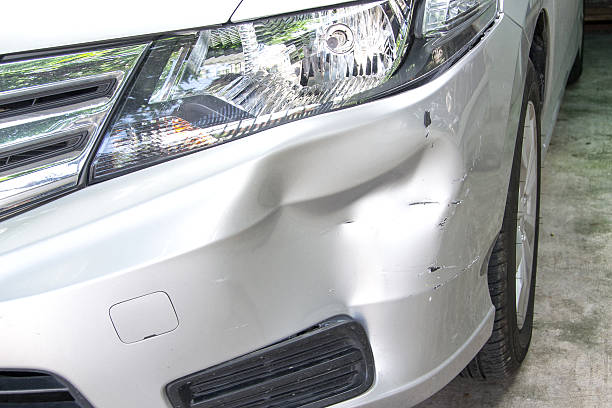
[513,262]
[576,71]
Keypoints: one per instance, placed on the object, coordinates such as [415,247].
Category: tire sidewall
[521,338]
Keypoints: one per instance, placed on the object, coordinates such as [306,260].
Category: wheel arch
[539,51]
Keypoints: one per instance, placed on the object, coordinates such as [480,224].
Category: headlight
[205,88]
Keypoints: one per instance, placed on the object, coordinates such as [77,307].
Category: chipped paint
[474,261]
[461,179]
[423,203]
[427,119]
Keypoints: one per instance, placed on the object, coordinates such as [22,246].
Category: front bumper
[365,212]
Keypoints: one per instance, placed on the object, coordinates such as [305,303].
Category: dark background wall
[598,12]
[599,2]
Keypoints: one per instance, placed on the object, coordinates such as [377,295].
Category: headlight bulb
[339,39]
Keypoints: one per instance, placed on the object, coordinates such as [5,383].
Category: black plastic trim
[323,365]
[63,143]
[56,96]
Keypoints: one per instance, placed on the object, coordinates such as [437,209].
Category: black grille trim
[35,152]
[324,365]
[56,96]
[34,389]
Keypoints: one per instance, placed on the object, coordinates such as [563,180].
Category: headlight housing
[204,88]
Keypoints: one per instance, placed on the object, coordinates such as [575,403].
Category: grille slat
[283,380]
[57,95]
[259,372]
[327,364]
[31,389]
[293,392]
[34,153]
[323,387]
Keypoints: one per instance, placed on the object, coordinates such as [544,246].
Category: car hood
[49,24]
[32,27]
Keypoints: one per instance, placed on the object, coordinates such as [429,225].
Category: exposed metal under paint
[427,119]
[462,178]
[474,261]
[424,202]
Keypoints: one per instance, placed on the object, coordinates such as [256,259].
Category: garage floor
[569,361]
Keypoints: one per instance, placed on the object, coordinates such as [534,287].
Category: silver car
[271,203]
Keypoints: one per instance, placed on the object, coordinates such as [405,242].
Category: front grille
[32,389]
[51,107]
[324,365]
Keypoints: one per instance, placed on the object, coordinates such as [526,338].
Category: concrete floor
[568,364]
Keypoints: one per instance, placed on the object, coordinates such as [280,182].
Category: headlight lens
[440,16]
[205,88]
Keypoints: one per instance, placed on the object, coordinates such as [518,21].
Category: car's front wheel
[512,265]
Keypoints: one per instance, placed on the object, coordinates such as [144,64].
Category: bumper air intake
[323,365]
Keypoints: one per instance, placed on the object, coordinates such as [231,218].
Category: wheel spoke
[526,217]
[529,230]
[527,253]
[531,178]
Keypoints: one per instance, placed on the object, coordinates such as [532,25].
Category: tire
[576,71]
[506,348]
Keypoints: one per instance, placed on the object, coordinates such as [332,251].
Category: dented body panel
[384,211]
